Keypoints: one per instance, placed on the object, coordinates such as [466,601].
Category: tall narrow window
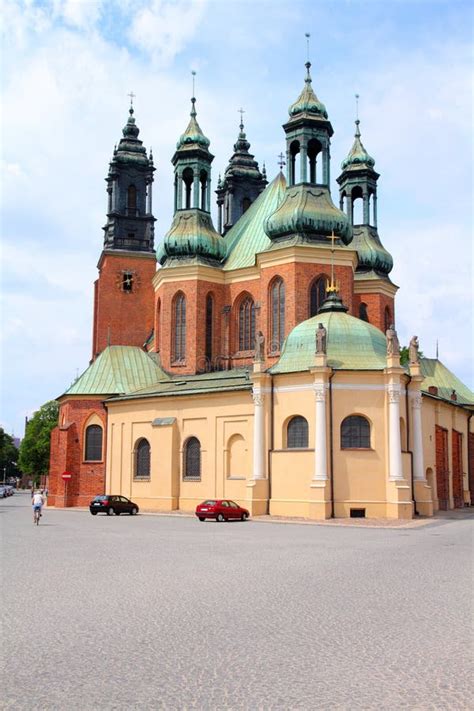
[387,318]
[142,460]
[192,459]
[209,317]
[297,433]
[93,451]
[188,177]
[158,325]
[317,295]
[179,329]
[247,325]
[132,200]
[277,299]
[355,433]
[363,313]
[294,162]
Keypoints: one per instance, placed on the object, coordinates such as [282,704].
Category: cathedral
[258,361]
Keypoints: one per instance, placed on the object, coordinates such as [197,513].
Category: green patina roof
[118,369]
[191,234]
[193,135]
[247,237]
[307,102]
[370,250]
[218,382]
[352,344]
[435,373]
[358,156]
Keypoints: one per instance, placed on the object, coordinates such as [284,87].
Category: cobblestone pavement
[153,612]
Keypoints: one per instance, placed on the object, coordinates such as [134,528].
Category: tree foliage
[8,454]
[405,355]
[34,447]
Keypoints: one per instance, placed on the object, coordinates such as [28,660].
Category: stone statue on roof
[393,344]
[413,351]
[259,347]
[321,339]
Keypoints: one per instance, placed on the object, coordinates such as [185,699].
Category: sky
[68,67]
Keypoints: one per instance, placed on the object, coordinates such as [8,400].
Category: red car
[221,510]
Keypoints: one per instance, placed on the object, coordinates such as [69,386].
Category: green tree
[8,455]
[34,447]
[405,357]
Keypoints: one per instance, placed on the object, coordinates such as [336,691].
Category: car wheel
[201,518]
[244,517]
[117,513]
[134,511]
[94,513]
[220,518]
[110,511]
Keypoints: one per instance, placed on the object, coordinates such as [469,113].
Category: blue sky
[67,69]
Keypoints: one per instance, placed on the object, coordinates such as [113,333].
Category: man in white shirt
[37,503]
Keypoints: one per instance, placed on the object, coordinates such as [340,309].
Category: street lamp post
[4,473]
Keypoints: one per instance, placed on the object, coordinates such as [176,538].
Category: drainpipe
[270,448]
[331,446]
[410,451]
[470,473]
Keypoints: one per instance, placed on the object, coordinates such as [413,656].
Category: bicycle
[37,515]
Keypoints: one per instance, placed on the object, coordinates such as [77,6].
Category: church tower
[243,182]
[373,291]
[189,287]
[123,296]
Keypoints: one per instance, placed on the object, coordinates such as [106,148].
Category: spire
[357,156]
[307,102]
[193,136]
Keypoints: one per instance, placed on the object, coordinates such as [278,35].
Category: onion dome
[193,137]
[308,212]
[352,344]
[192,234]
[130,149]
[370,250]
[358,156]
[242,162]
[307,102]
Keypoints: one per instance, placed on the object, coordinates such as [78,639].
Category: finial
[264,171]
[333,286]
[307,35]
[437,350]
[193,100]
[132,97]
[357,122]
[281,161]
[308,63]
[241,112]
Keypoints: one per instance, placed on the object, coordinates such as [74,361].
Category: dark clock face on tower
[128,281]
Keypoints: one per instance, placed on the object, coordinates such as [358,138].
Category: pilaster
[319,505]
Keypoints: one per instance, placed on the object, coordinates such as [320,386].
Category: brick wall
[67,454]
[458,493]
[442,467]
[376,305]
[121,317]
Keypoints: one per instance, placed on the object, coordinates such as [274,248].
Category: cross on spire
[281,161]
[132,97]
[193,73]
[307,35]
[357,106]
[332,286]
[241,112]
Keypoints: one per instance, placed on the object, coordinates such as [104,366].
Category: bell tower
[374,292]
[123,297]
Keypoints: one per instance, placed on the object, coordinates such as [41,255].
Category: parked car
[221,510]
[112,505]
[8,489]
[3,492]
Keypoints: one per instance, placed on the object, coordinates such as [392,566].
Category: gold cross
[332,286]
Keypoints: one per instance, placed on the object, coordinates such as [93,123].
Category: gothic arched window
[142,460]
[297,433]
[132,200]
[355,433]
[294,162]
[317,295]
[247,324]
[188,179]
[178,346]
[192,459]
[363,313]
[209,325]
[93,450]
[277,314]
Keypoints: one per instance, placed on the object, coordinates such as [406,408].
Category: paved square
[153,612]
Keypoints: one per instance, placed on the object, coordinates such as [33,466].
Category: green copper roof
[370,250]
[118,369]
[352,344]
[307,102]
[218,382]
[358,156]
[130,149]
[192,234]
[247,237]
[436,374]
[193,136]
[308,210]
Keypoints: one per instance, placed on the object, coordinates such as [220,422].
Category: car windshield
[101,498]
[209,503]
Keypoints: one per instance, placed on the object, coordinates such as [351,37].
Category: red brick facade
[380,309]
[123,317]
[68,452]
[442,467]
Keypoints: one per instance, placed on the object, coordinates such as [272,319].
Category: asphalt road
[153,612]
